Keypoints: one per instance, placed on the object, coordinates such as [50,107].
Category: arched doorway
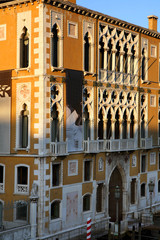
[115,180]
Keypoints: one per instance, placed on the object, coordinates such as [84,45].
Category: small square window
[2,32]
[153,101]
[153,51]
[72,29]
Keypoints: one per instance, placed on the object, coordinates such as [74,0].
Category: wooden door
[115,180]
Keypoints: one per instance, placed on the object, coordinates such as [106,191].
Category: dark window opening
[55,210]
[133,191]
[125,60]
[22,175]
[21,211]
[143,163]
[56,175]
[143,190]
[87,53]
[86,124]
[55,43]
[132,60]
[99,198]
[24,126]
[101,54]
[1,174]
[100,125]
[117,131]
[24,49]
[86,203]
[109,126]
[132,126]
[87,170]
[109,57]
[124,126]
[54,124]
[117,62]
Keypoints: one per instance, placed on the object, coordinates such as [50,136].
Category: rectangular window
[87,170]
[21,211]
[159,161]
[133,191]
[22,179]
[1,178]
[152,158]
[56,174]
[153,51]
[143,163]
[153,101]
[72,29]
[99,198]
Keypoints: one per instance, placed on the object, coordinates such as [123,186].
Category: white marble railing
[58,148]
[1,187]
[146,143]
[21,188]
[109,145]
[117,77]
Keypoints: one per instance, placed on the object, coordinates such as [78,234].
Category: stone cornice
[89,13]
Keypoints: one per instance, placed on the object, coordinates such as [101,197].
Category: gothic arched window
[109,56]
[132,126]
[125,60]
[100,125]
[24,49]
[55,46]
[109,126]
[117,125]
[117,62]
[101,54]
[86,124]
[143,65]
[132,60]
[124,126]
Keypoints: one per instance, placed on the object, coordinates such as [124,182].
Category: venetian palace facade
[79,114]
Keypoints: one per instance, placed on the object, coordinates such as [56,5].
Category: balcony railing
[117,77]
[1,187]
[59,148]
[146,143]
[111,145]
[22,188]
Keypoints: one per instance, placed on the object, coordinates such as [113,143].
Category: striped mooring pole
[89,228]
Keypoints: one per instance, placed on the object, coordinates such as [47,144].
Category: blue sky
[135,11]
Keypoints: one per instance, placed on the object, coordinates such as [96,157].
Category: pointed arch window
[143,125]
[125,60]
[109,56]
[87,53]
[101,54]
[86,124]
[1,213]
[54,124]
[24,126]
[124,126]
[109,126]
[143,65]
[24,49]
[132,60]
[100,125]
[55,46]
[117,62]
[117,132]
[132,126]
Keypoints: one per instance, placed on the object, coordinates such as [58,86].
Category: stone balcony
[146,143]
[109,145]
[59,148]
